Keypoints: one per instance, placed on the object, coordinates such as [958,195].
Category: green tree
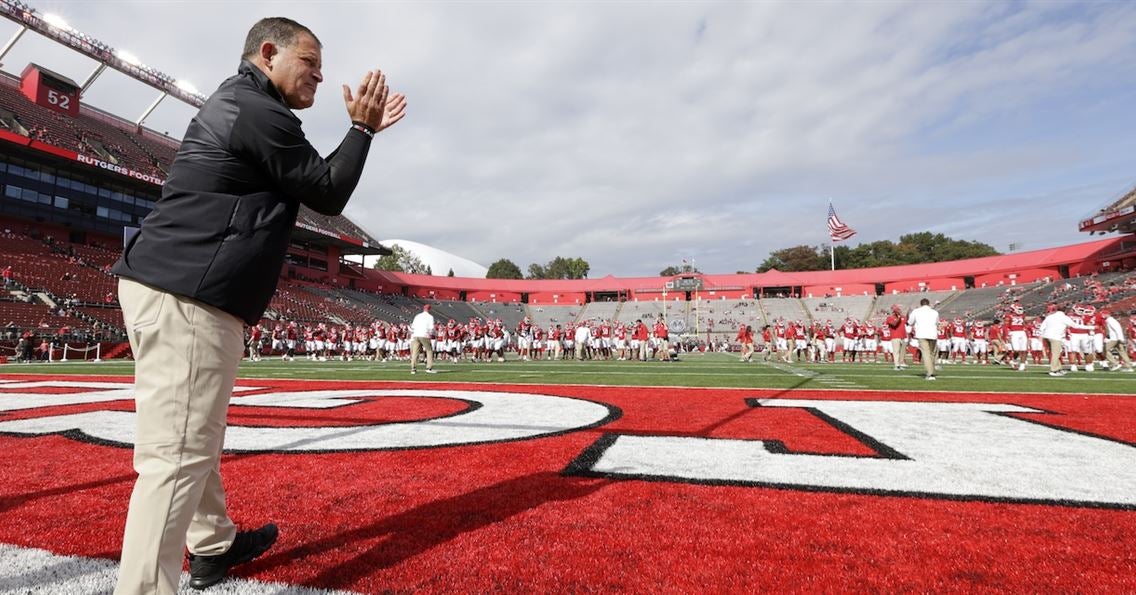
[795,259]
[673,270]
[937,247]
[537,272]
[560,268]
[915,248]
[402,260]
[503,269]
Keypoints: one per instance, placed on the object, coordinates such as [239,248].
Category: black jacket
[220,231]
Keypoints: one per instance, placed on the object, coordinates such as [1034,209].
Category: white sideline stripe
[30,570]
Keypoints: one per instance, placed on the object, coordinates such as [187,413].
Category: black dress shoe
[206,571]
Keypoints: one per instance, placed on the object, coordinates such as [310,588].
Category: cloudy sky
[638,134]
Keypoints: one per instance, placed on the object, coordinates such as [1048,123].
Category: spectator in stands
[203,262]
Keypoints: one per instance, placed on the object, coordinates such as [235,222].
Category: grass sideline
[715,370]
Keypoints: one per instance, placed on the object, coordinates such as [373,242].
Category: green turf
[700,370]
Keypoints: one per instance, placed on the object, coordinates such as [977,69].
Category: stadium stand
[721,319]
[784,308]
[840,307]
[601,311]
[446,310]
[644,310]
[974,303]
[909,301]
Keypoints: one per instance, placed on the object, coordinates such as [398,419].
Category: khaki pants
[186,357]
[928,349]
[899,351]
[418,344]
[1055,346]
[1122,349]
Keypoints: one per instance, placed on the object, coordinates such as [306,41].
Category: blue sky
[635,135]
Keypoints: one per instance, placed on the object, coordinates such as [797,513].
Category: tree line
[557,268]
[913,248]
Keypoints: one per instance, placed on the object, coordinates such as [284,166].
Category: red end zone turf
[577,510]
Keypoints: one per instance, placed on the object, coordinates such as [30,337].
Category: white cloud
[634,135]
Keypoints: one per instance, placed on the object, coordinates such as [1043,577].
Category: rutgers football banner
[382,486]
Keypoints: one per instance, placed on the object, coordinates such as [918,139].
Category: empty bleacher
[600,311]
[976,303]
[445,310]
[908,301]
[837,308]
[644,310]
[783,308]
[721,319]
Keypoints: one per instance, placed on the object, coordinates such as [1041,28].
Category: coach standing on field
[924,322]
[206,260]
[421,331]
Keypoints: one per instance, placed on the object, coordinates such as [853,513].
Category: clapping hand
[373,103]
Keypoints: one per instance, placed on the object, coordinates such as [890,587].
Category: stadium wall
[493,296]
[550,298]
[725,294]
[1016,278]
[943,284]
[839,290]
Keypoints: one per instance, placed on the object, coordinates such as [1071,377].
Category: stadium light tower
[56,29]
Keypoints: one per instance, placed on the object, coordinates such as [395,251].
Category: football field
[703,475]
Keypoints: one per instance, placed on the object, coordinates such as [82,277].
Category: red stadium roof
[1049,259]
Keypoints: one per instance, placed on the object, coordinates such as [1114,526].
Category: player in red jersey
[820,348]
[662,336]
[768,340]
[1132,334]
[255,334]
[1035,341]
[870,337]
[849,335]
[896,324]
[997,346]
[745,338]
[621,341]
[1016,324]
[524,339]
[556,341]
[943,343]
[538,342]
[959,340]
[1080,340]
[981,337]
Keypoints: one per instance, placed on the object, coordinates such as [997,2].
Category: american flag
[836,228]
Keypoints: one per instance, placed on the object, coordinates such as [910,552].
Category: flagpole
[832,248]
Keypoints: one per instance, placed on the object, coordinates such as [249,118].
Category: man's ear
[267,52]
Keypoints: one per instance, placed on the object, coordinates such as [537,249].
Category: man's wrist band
[361,127]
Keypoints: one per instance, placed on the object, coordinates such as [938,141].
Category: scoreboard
[51,90]
[687,283]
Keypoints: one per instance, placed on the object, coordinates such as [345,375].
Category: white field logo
[928,449]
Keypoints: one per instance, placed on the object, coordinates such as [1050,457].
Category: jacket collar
[260,79]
